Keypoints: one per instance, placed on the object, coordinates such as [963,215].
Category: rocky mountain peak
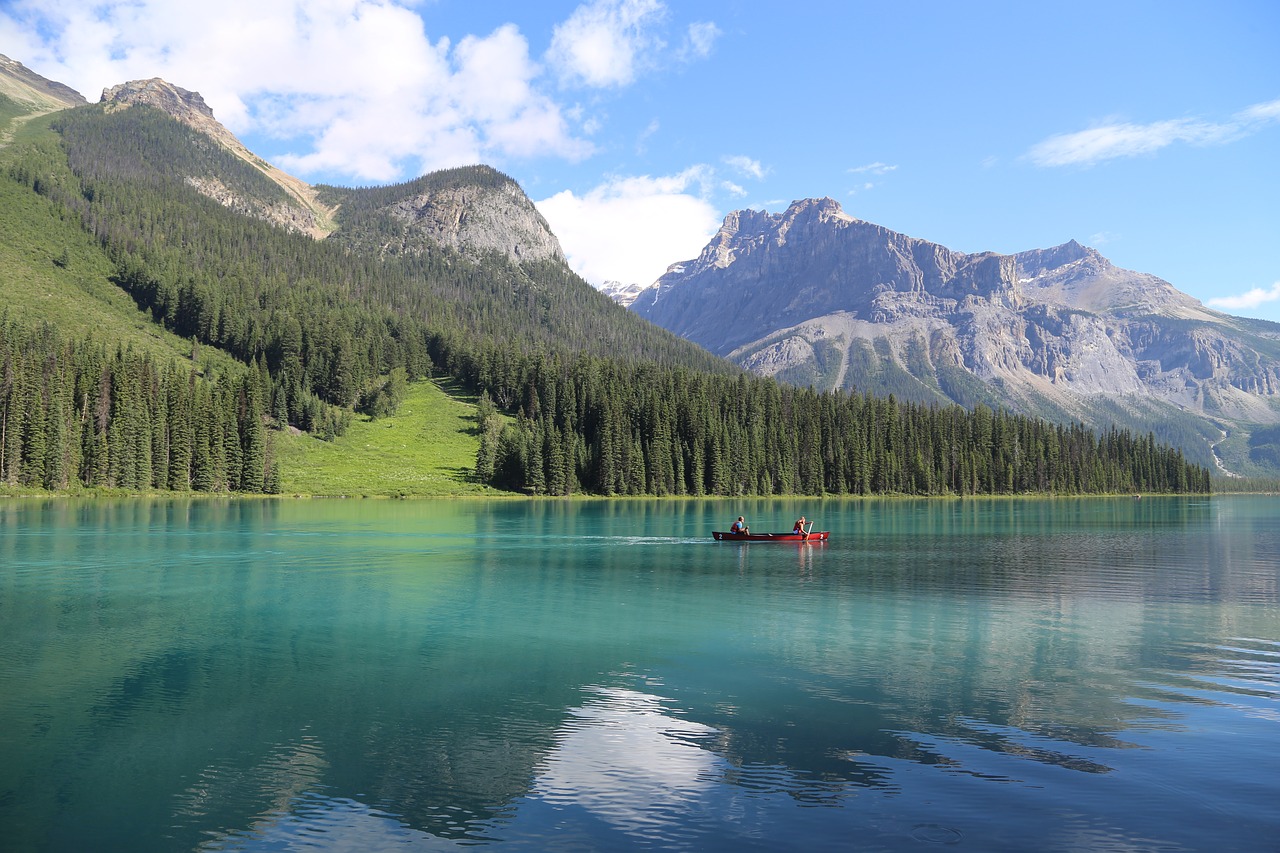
[1038,261]
[814,296]
[304,213]
[187,107]
[823,209]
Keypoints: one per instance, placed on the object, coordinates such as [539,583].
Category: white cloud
[605,43]
[701,37]
[1249,299]
[356,85]
[747,166]
[631,229]
[1125,139]
[876,168]
[1260,113]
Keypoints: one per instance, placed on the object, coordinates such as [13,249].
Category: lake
[988,675]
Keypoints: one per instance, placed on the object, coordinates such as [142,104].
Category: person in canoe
[799,528]
[739,527]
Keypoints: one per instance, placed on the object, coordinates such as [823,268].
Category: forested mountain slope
[448,275]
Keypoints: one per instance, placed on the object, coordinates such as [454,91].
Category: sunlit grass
[428,448]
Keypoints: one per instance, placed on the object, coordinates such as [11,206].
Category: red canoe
[815,536]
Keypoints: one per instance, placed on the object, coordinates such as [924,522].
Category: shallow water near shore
[1047,674]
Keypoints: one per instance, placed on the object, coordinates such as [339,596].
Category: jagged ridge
[815,296]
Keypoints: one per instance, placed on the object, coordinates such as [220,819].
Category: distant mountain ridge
[22,84]
[815,296]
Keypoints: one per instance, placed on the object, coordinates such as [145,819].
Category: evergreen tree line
[72,413]
[590,425]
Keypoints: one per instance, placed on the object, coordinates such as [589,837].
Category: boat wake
[650,540]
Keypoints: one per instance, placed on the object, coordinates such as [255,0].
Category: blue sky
[1149,130]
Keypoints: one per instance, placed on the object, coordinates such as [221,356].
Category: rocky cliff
[815,296]
[475,219]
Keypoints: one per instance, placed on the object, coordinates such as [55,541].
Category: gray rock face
[187,107]
[479,220]
[815,296]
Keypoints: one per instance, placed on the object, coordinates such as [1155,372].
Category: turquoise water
[1070,674]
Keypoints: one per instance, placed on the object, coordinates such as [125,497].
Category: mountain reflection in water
[266,675]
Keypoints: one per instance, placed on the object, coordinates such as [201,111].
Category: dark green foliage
[384,398]
[74,414]
[595,425]
[1246,485]
[1264,447]
[358,204]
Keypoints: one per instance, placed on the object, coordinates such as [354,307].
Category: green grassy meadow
[427,449]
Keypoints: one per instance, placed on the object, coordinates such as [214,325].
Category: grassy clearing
[427,449]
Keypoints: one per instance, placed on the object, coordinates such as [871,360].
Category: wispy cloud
[876,168]
[746,166]
[699,39]
[608,44]
[1126,139]
[1249,299]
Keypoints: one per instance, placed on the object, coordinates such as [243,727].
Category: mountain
[24,92]
[814,296]
[297,210]
[623,294]
[175,314]
[462,243]
[470,211]
[475,211]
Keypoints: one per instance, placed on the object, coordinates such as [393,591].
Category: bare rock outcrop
[476,220]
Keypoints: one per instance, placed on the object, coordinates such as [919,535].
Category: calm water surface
[1056,675]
